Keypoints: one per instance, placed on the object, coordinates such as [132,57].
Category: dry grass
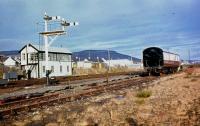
[187,76]
[193,80]
[189,71]
[192,73]
[81,71]
[163,104]
[140,101]
[193,76]
[186,86]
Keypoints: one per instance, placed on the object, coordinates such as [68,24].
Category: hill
[9,53]
[86,54]
[94,55]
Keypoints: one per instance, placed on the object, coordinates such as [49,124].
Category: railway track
[23,83]
[14,108]
[24,102]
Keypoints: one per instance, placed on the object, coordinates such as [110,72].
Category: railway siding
[63,86]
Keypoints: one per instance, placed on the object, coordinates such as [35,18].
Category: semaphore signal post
[52,35]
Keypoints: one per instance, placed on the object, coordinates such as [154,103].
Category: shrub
[144,94]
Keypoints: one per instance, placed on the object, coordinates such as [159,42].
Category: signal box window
[61,69]
[43,69]
[52,69]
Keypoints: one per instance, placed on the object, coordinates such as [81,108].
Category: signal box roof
[41,48]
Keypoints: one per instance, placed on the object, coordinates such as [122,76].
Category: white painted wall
[84,64]
[27,51]
[10,62]
[65,71]
[34,73]
[122,63]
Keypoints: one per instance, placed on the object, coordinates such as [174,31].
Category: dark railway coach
[155,60]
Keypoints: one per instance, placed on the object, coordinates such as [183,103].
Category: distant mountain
[9,53]
[93,55]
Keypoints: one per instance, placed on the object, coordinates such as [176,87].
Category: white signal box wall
[33,60]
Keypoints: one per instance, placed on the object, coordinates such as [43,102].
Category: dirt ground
[174,101]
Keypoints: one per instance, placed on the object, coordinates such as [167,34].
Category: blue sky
[127,26]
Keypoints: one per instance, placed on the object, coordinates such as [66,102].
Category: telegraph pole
[189,56]
[53,35]
[108,69]
[109,60]
[132,58]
